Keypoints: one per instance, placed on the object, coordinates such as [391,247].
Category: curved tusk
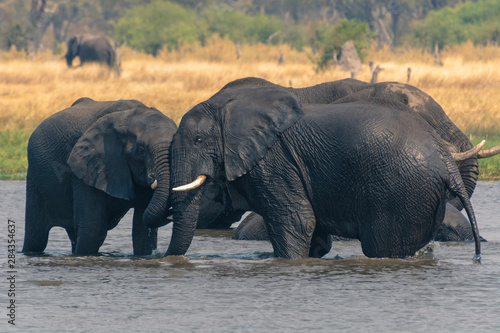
[469,153]
[154,185]
[489,152]
[197,182]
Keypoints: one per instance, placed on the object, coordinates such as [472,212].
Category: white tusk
[197,182]
[469,153]
[489,152]
[154,185]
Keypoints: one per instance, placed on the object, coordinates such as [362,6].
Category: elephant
[370,169]
[90,48]
[221,206]
[88,165]
[346,90]
[455,228]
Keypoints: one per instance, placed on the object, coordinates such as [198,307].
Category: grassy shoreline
[14,162]
[467,86]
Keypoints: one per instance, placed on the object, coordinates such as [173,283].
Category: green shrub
[150,27]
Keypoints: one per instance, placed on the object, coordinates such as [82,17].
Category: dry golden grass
[467,85]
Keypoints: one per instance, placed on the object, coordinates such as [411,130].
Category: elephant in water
[92,162]
[312,171]
[222,205]
[455,228]
[349,90]
[89,48]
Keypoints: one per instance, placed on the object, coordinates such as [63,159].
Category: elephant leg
[37,225]
[401,234]
[72,237]
[321,243]
[290,224]
[144,239]
[90,218]
[291,233]
[284,205]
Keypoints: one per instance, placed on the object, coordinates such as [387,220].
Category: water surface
[237,286]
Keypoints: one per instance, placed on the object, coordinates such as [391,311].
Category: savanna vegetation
[467,85]
[178,53]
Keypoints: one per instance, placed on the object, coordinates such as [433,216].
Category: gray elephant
[89,48]
[224,206]
[92,162]
[371,170]
[349,90]
[455,228]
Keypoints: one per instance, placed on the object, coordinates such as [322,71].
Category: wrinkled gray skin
[455,228]
[347,90]
[371,170]
[89,48]
[88,165]
[227,208]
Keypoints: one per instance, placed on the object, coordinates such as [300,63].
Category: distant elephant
[89,48]
[92,162]
[227,208]
[371,170]
[455,228]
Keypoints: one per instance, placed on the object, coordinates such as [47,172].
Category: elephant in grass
[92,162]
[227,207]
[89,48]
[371,170]
[455,228]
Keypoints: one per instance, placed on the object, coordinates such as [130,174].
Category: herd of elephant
[381,163]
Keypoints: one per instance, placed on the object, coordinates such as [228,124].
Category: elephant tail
[457,187]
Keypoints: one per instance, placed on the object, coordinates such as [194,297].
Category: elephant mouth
[194,184]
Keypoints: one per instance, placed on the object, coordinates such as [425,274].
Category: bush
[475,21]
[242,28]
[331,38]
[150,27]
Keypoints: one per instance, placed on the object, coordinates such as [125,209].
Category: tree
[150,27]
[475,21]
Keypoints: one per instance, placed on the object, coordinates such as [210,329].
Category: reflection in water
[238,286]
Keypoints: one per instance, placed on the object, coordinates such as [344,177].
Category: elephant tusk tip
[194,184]
[469,153]
[154,185]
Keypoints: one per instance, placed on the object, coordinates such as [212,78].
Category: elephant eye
[141,151]
[198,139]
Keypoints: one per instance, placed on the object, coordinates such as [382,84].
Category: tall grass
[467,85]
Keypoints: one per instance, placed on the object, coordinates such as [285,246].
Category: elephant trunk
[185,203]
[157,211]
[186,211]
[469,168]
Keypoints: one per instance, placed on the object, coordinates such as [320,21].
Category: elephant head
[126,148]
[73,47]
[219,141]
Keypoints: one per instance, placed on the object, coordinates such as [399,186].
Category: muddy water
[236,286]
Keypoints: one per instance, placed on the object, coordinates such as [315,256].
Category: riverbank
[466,85]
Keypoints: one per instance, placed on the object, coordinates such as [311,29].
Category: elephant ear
[253,122]
[97,158]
